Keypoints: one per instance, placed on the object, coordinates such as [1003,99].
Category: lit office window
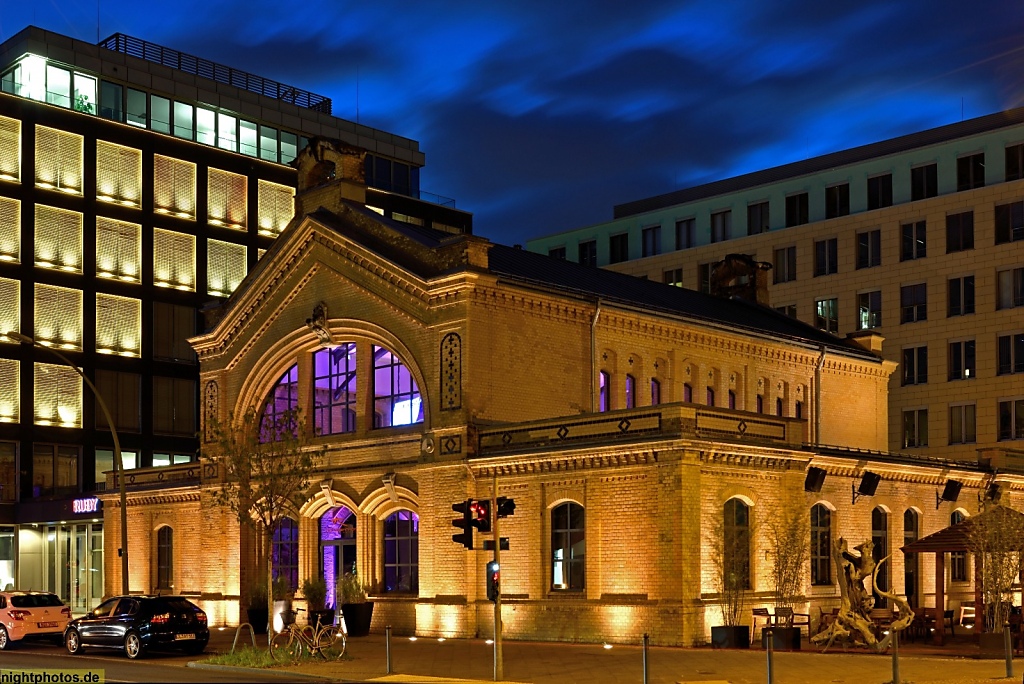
[58,239]
[58,86]
[118,325]
[159,114]
[58,395]
[58,316]
[183,120]
[247,138]
[10,306]
[206,126]
[174,260]
[118,249]
[10,229]
[225,264]
[10,391]
[10,149]
[174,187]
[227,134]
[118,174]
[59,160]
[268,143]
[226,194]
[276,206]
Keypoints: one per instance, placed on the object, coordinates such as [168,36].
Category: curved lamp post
[118,463]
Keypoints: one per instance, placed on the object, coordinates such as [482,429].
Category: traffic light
[480,510]
[493,581]
[506,507]
[465,523]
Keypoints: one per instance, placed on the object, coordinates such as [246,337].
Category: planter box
[730,637]
[990,645]
[783,639]
[259,619]
[357,618]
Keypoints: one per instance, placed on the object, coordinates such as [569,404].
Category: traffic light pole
[499,665]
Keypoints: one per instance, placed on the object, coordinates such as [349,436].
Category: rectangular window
[757,218]
[135,109]
[58,239]
[85,94]
[618,248]
[970,172]
[275,205]
[787,310]
[651,241]
[1009,222]
[118,249]
[924,182]
[721,226]
[1010,288]
[785,264]
[54,470]
[915,365]
[174,187]
[10,230]
[247,138]
[673,277]
[10,396]
[837,200]
[174,260]
[122,393]
[913,242]
[1011,419]
[225,267]
[172,326]
[59,160]
[160,114]
[962,424]
[959,232]
[880,191]
[869,310]
[58,316]
[10,306]
[227,132]
[557,253]
[111,105]
[962,360]
[58,395]
[118,174]
[915,428]
[174,406]
[268,143]
[796,210]
[704,278]
[685,233]
[118,325]
[826,315]
[961,296]
[10,149]
[869,249]
[206,126]
[226,199]
[826,256]
[184,121]
[289,147]
[913,303]
[1014,162]
[58,86]
[1011,354]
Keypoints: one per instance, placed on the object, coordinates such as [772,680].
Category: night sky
[539,117]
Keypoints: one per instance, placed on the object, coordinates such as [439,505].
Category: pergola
[959,538]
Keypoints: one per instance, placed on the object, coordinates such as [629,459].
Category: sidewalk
[428,659]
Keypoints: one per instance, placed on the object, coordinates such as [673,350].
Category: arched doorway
[337,547]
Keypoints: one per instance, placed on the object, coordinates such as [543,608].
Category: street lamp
[118,463]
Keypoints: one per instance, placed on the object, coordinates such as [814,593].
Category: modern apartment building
[137,185]
[919,238]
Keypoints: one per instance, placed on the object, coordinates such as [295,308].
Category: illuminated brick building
[624,417]
[137,184]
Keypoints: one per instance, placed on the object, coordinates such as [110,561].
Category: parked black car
[140,623]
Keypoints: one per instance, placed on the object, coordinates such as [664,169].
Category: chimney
[329,172]
[739,275]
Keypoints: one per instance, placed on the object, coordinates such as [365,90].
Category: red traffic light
[480,514]
[493,581]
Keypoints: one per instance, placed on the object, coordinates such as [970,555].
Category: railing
[220,73]
[157,477]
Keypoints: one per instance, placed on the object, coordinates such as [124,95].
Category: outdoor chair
[966,612]
[760,614]
[785,617]
[826,618]
[882,618]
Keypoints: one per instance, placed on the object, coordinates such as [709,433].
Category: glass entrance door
[73,559]
[337,548]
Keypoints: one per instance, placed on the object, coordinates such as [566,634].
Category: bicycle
[326,641]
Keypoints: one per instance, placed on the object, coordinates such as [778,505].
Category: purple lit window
[401,552]
[334,390]
[603,392]
[396,398]
[655,392]
[337,547]
[280,407]
[285,551]
[630,392]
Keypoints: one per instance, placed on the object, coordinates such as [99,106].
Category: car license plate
[47,624]
[183,637]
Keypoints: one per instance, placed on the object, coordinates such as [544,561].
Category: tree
[996,537]
[787,534]
[729,538]
[267,462]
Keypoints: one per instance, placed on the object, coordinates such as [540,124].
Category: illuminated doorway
[337,547]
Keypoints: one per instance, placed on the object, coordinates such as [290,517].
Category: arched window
[760,403]
[568,547]
[655,392]
[396,398]
[630,392]
[798,409]
[957,559]
[164,558]
[880,538]
[910,563]
[778,406]
[285,551]
[687,392]
[401,552]
[711,396]
[604,390]
[736,543]
[732,399]
[334,390]
[821,545]
[280,407]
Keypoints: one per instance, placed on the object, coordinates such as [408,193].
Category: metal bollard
[387,646]
[895,655]
[771,652]
[647,640]
[1008,649]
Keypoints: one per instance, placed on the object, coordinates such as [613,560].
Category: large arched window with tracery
[280,407]
[402,552]
[396,398]
[334,390]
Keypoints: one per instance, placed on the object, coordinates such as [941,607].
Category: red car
[31,614]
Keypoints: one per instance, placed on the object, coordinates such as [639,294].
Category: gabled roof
[958,537]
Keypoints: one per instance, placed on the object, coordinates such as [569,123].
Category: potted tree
[786,534]
[731,560]
[355,607]
[996,537]
[314,590]
[256,606]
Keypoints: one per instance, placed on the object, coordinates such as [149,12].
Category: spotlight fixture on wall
[951,492]
[327,486]
[994,492]
[389,487]
[814,480]
[868,484]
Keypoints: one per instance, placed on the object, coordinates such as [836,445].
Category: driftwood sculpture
[853,624]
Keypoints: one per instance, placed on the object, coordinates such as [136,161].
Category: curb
[246,670]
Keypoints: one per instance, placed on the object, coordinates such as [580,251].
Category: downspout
[817,396]
[593,357]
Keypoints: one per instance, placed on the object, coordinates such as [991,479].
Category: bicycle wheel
[285,648]
[332,643]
